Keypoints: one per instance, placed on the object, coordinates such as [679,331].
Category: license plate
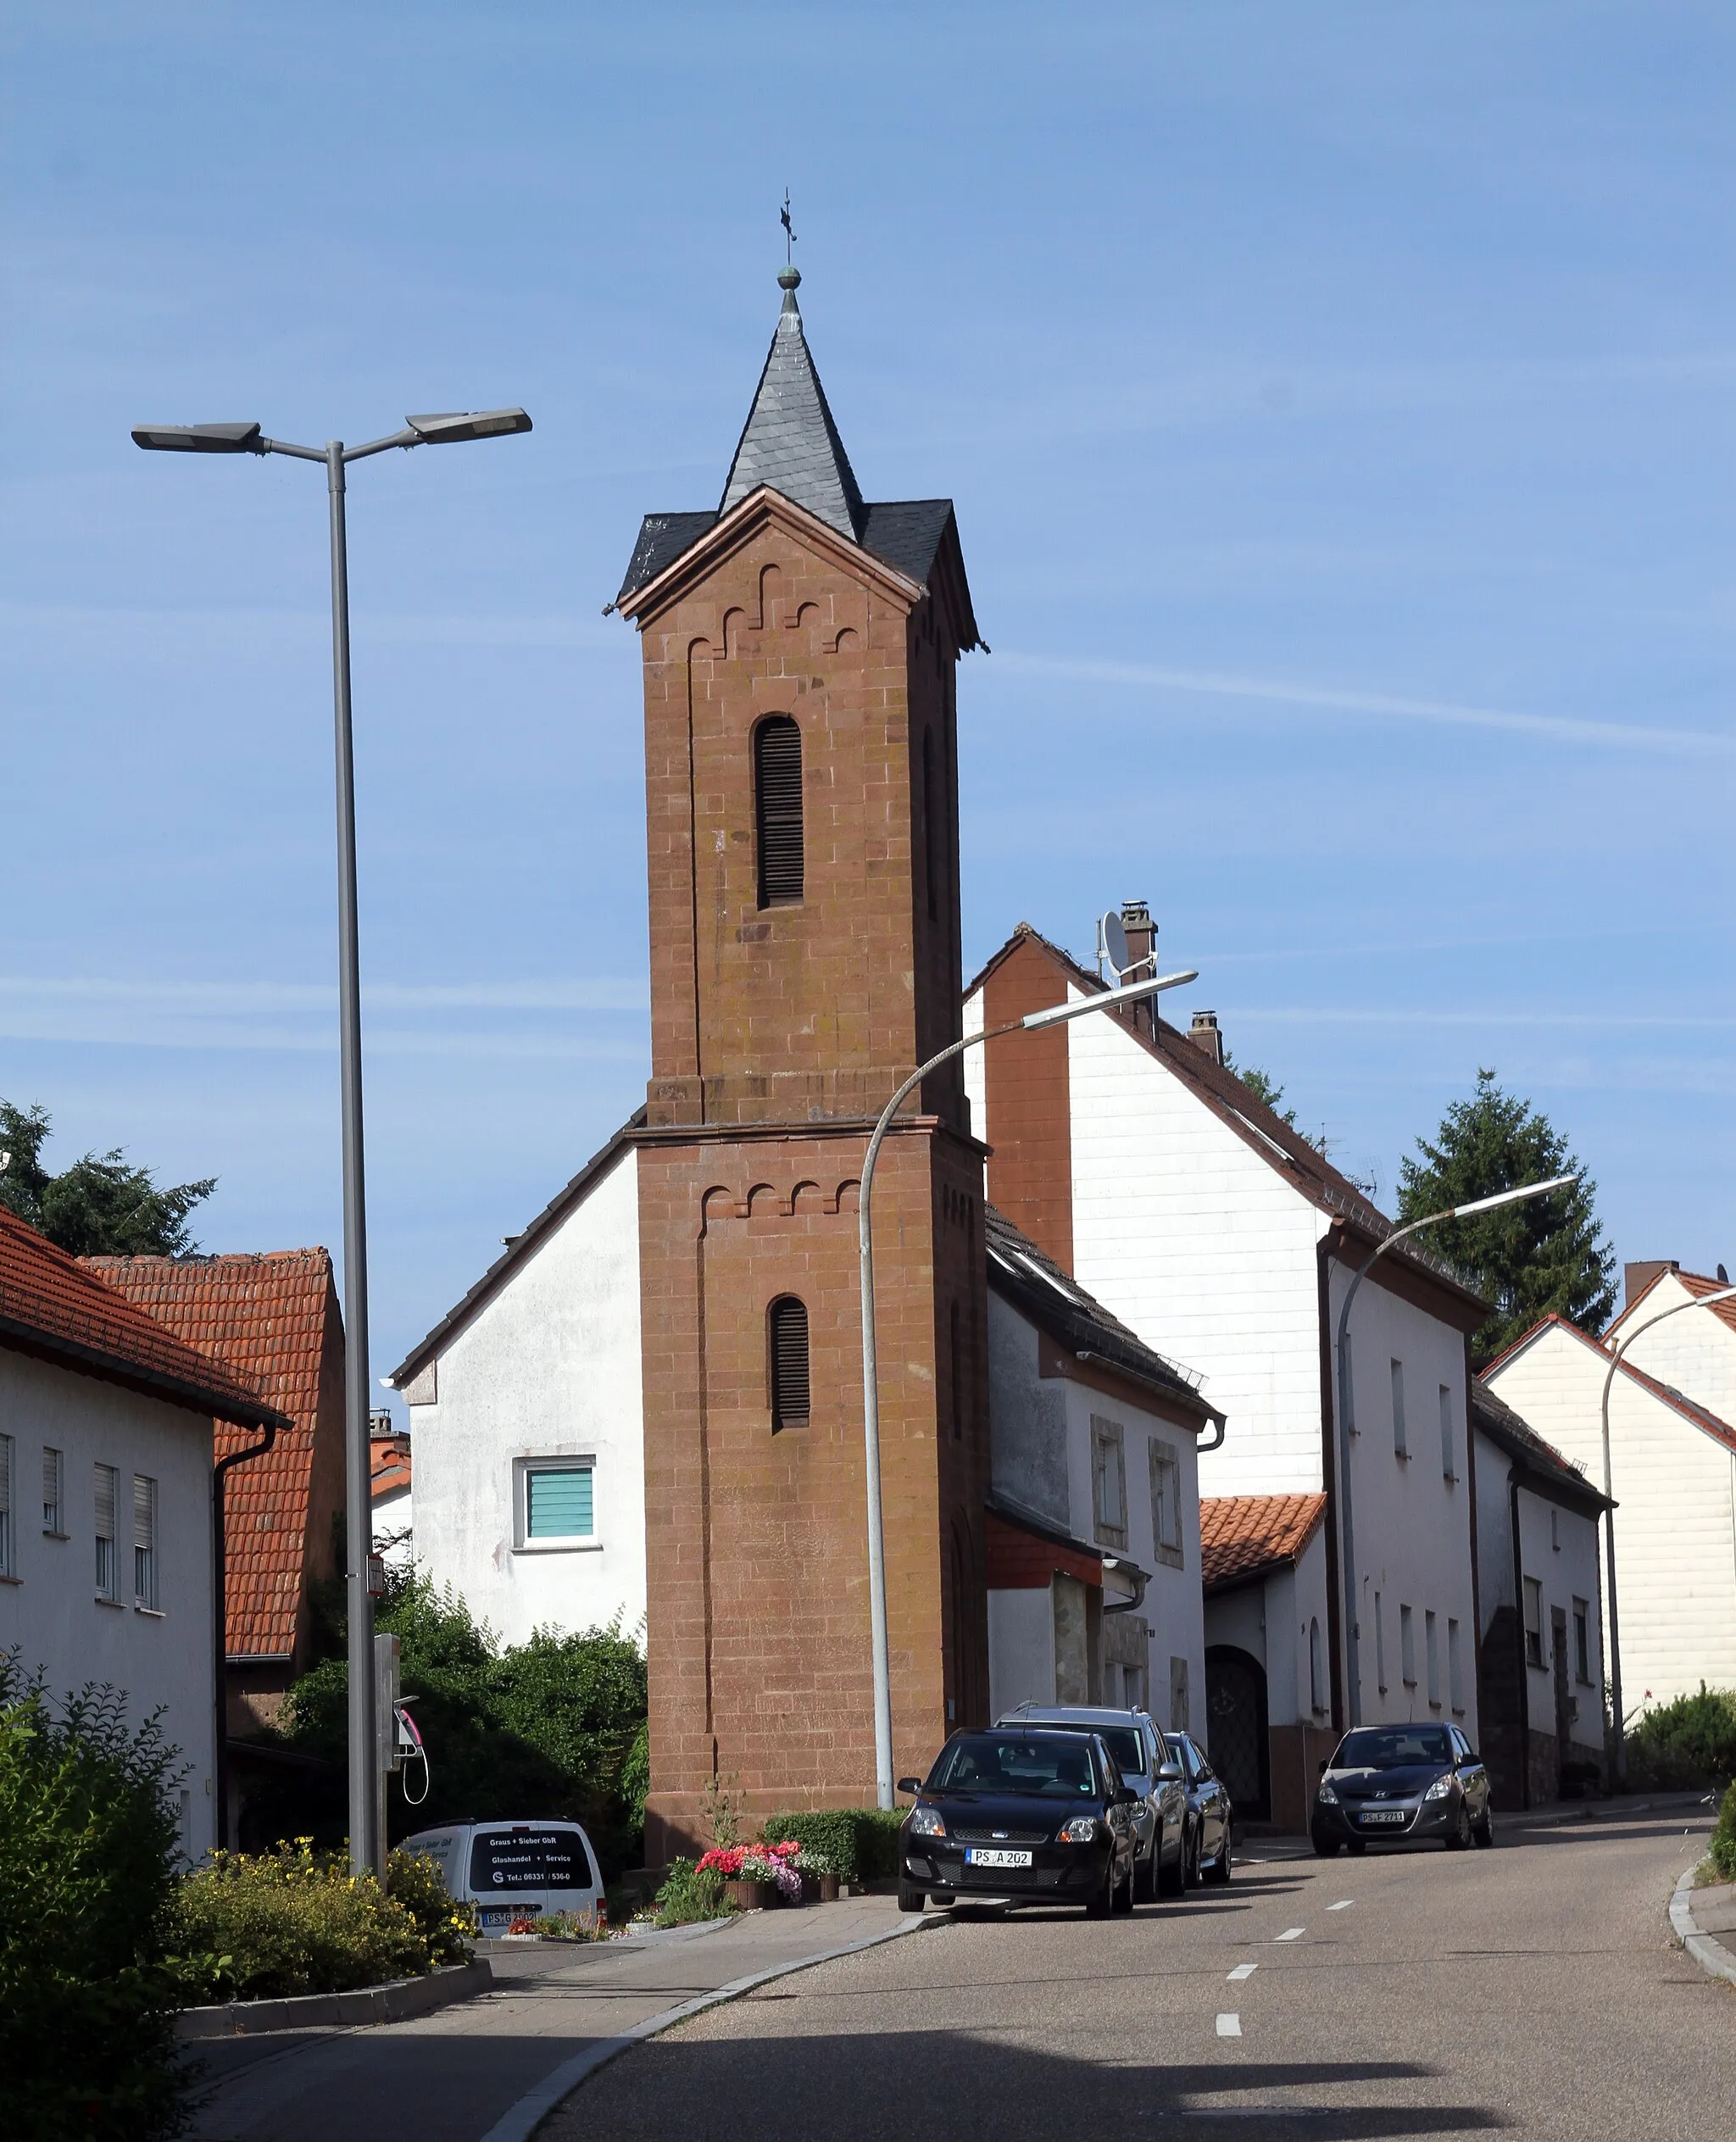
[988,1855]
[1384,1815]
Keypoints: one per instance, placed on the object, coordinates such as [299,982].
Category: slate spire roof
[789,441]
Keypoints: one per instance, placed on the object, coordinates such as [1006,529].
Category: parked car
[1149,1765]
[1209,1849]
[1390,1783]
[1023,1813]
[511,1871]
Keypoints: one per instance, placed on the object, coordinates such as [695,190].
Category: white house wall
[1675,1524]
[550,1367]
[1560,1549]
[1191,1238]
[1020,1649]
[163,1659]
[1694,1352]
[1412,1524]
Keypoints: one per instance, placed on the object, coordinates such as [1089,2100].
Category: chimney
[1204,1034]
[1142,960]
[1636,1278]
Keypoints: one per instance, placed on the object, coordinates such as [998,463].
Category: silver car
[1148,1767]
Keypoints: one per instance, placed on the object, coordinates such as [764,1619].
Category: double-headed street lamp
[1109,1000]
[1347,1410]
[367,1844]
[1700,1301]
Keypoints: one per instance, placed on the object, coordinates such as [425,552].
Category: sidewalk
[487,2070]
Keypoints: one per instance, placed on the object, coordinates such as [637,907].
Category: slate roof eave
[1536,1456]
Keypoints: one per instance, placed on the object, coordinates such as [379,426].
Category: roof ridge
[790,443]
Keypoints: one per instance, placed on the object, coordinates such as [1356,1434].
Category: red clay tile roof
[1242,1537]
[388,1464]
[1699,1285]
[54,1304]
[266,1317]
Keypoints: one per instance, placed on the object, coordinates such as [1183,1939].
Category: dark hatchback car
[1208,1851]
[1388,1785]
[1015,1812]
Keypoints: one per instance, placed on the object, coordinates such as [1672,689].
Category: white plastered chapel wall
[164,1660]
[548,1368]
[1675,1523]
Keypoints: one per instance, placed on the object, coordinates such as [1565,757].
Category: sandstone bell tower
[801,773]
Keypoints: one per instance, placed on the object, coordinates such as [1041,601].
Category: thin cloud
[1621,736]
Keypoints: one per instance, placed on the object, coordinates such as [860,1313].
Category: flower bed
[772,1864]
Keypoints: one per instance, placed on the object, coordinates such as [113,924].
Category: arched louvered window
[789,1333]
[777,811]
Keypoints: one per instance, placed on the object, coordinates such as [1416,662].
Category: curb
[519,2122]
[395,2002]
[1709,1954]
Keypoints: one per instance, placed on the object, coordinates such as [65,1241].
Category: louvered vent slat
[789,1364]
[777,797]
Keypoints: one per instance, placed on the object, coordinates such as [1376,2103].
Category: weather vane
[789,233]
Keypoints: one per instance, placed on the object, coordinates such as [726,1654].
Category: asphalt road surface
[1534,1989]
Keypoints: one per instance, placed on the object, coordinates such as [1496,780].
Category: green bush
[547,1729]
[860,1843]
[688,1895]
[1723,1845]
[415,1882]
[1689,1742]
[87,1995]
[293,1921]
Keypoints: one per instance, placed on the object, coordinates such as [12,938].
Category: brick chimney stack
[1204,1034]
[1637,1277]
[1142,960]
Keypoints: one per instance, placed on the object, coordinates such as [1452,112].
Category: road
[1533,1990]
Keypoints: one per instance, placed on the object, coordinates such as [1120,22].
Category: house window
[1455,1672]
[1178,1695]
[108,1577]
[1581,1642]
[1407,1646]
[1431,1658]
[786,1327]
[559,1502]
[144,1542]
[1317,1679]
[1166,1504]
[1450,1470]
[1133,1688]
[1401,1447]
[1533,1622]
[6,1548]
[1109,1481]
[54,1493]
[1380,1646]
[777,811]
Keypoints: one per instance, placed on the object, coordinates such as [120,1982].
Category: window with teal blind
[558,1502]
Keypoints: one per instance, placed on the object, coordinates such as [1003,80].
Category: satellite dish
[1112,943]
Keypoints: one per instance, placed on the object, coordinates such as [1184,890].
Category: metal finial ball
[789,278]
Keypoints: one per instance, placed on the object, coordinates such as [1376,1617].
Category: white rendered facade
[541,1379]
[145,1628]
[1187,1226]
[1693,1351]
[1673,1476]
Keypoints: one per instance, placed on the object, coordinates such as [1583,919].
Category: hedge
[1723,1850]
[1689,1742]
[861,1843]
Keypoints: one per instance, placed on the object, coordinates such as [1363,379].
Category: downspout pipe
[219,1559]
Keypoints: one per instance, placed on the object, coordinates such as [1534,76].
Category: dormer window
[777,811]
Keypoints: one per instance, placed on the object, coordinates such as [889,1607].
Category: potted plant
[755,1875]
[819,1877]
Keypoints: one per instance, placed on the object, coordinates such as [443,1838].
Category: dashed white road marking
[1229,2026]
[1242,1971]
[1292,1933]
[1344,1904]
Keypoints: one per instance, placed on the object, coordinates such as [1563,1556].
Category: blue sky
[1338,406]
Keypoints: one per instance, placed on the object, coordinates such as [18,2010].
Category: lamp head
[452,425]
[197,438]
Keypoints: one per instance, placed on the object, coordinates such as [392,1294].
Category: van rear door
[520,1870]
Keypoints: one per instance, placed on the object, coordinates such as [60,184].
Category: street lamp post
[1347,1410]
[1109,1000]
[367,1843]
[1700,1301]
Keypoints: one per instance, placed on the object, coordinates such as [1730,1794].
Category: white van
[515,1870]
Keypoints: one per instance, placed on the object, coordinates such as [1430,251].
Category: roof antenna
[792,275]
